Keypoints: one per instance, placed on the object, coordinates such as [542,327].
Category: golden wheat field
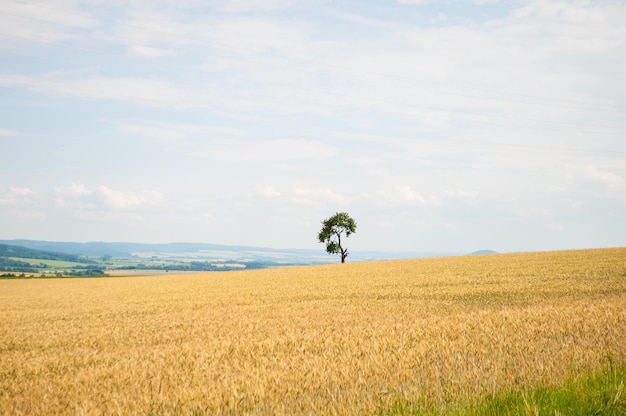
[334,339]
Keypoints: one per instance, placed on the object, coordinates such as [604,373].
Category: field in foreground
[428,335]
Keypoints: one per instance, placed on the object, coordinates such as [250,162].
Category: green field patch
[588,394]
[600,393]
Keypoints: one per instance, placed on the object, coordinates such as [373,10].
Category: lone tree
[332,229]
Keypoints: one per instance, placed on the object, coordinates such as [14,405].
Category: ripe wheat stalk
[338,339]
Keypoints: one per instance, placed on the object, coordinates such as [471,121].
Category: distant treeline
[10,268]
[11,265]
[34,274]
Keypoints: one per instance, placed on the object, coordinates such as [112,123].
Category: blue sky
[438,125]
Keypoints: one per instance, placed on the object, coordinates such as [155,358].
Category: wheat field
[339,339]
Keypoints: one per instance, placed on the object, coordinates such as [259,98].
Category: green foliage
[332,230]
[12,264]
[599,394]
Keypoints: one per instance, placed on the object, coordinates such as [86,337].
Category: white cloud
[610,179]
[149,52]
[63,15]
[320,196]
[15,195]
[22,203]
[556,226]
[460,193]
[270,192]
[380,172]
[8,133]
[398,194]
[270,151]
[21,191]
[241,6]
[161,131]
[73,196]
[415,1]
[254,36]
[176,131]
[407,194]
[156,92]
[102,198]
[254,51]
[42,23]
[78,189]
[601,183]
[118,200]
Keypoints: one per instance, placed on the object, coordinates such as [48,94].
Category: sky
[437,125]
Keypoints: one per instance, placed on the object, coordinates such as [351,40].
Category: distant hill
[7,250]
[485,252]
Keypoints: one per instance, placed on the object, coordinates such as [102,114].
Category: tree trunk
[344,253]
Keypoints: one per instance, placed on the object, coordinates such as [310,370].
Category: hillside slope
[7,250]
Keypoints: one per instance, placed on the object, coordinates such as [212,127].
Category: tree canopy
[332,229]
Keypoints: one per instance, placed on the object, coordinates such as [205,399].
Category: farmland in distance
[434,335]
